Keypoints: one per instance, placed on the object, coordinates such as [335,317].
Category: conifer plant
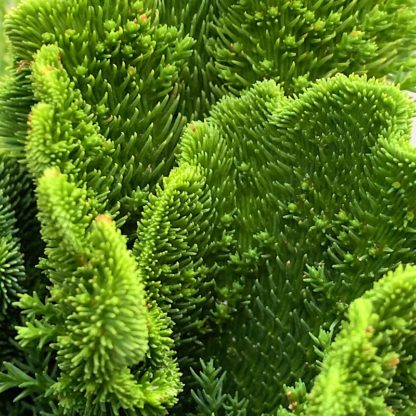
[208,207]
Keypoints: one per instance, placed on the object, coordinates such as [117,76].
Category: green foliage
[237,244]
[370,367]
[210,399]
[195,18]
[12,272]
[3,39]
[298,41]
[293,42]
[113,351]
[61,131]
[173,238]
[14,276]
[106,109]
[306,188]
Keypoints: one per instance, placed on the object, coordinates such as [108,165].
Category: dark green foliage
[210,398]
[16,274]
[13,279]
[12,272]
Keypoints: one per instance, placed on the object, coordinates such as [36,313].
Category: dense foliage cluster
[208,207]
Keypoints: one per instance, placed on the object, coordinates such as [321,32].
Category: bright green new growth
[172,240]
[112,349]
[370,367]
[254,234]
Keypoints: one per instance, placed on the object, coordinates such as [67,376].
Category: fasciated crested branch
[112,352]
[302,188]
